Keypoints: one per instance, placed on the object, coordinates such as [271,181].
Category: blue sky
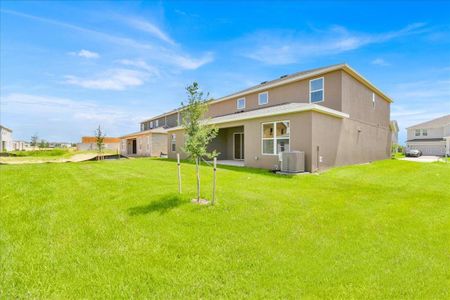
[68,66]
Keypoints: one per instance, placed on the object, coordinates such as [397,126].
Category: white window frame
[259,99]
[424,132]
[142,126]
[373,100]
[417,132]
[322,89]
[237,103]
[274,138]
[156,123]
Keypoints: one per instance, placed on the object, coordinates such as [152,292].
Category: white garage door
[430,149]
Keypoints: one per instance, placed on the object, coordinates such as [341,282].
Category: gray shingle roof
[438,122]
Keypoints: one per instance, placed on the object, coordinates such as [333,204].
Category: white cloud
[187,62]
[380,62]
[148,27]
[419,101]
[160,54]
[286,47]
[85,53]
[140,64]
[65,119]
[115,79]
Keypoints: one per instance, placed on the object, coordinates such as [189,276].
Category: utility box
[293,162]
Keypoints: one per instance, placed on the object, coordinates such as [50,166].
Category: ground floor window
[275,137]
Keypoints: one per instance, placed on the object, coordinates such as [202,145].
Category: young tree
[42,144]
[197,131]
[99,139]
[34,140]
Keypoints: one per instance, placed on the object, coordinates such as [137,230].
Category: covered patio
[229,143]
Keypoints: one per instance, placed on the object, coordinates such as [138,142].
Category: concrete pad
[424,158]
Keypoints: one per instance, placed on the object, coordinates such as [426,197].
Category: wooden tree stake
[179,173]
[214,181]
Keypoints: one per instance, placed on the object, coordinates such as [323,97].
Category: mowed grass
[118,229]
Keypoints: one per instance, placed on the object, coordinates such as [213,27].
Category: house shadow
[248,170]
[161,206]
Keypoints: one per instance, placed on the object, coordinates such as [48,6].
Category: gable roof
[304,75]
[438,122]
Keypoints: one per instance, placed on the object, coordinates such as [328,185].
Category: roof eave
[311,107]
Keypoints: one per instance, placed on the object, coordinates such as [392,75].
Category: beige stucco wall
[300,139]
[326,140]
[292,92]
[345,142]
[150,144]
[357,102]
[159,144]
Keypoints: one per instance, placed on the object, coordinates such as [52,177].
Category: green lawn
[118,229]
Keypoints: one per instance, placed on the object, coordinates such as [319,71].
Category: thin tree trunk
[198,179]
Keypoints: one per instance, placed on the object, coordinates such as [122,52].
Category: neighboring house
[6,141]
[147,142]
[59,145]
[332,114]
[90,143]
[394,130]
[21,146]
[432,137]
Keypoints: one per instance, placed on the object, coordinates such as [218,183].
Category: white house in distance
[431,137]
[6,141]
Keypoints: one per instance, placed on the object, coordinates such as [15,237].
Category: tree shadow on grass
[163,205]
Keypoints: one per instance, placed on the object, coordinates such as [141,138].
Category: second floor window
[240,103]
[316,90]
[263,98]
[417,133]
[424,132]
[156,123]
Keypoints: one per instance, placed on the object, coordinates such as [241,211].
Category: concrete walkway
[24,160]
[424,158]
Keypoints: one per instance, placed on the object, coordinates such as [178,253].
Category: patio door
[134,146]
[238,142]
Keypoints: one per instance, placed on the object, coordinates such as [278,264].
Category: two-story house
[6,141]
[431,137]
[333,114]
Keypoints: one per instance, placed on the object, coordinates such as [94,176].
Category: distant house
[394,132]
[148,142]
[21,146]
[90,143]
[431,137]
[6,141]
